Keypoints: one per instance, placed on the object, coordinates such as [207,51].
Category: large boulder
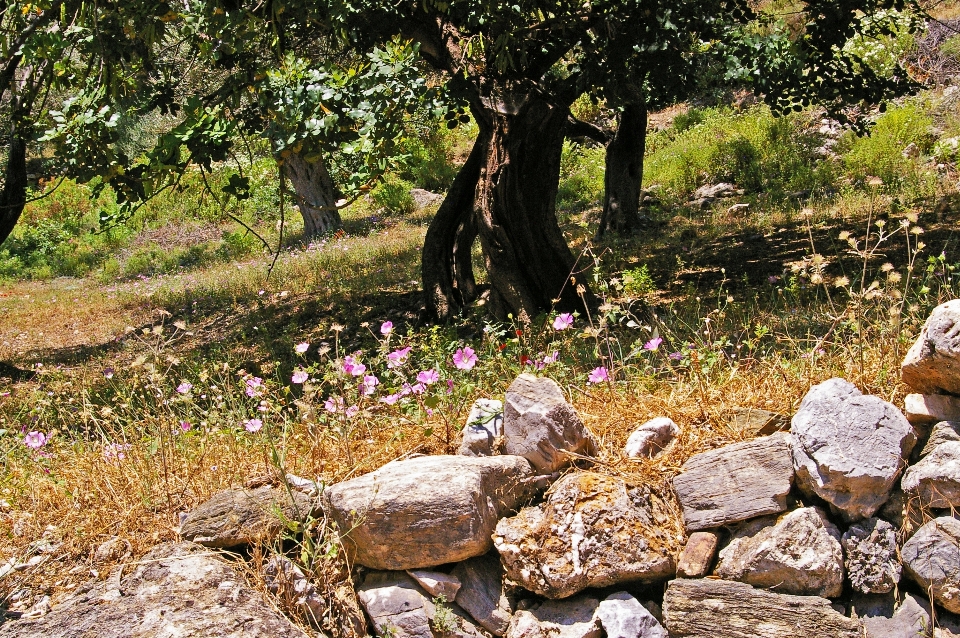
[798,553]
[931,558]
[849,447]
[651,438]
[735,483]
[429,510]
[238,517]
[178,589]
[573,618]
[935,479]
[870,548]
[540,426]
[592,531]
[482,594]
[709,608]
[932,365]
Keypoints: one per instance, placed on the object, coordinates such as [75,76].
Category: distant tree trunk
[528,262]
[445,264]
[316,195]
[624,173]
[13,197]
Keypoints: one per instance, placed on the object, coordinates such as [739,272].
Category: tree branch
[579,128]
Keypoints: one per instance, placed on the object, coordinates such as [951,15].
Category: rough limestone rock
[573,618]
[927,409]
[932,365]
[243,516]
[178,589]
[436,583]
[943,432]
[540,426]
[622,616]
[429,510]
[481,592]
[935,479]
[287,581]
[797,553]
[709,608]
[849,447]
[757,422]
[484,425]
[870,550]
[735,483]
[651,438]
[697,557]
[931,558]
[883,619]
[112,551]
[399,607]
[592,531]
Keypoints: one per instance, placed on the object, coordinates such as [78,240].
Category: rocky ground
[838,522]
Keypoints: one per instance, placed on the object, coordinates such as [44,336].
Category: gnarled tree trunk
[624,173]
[445,265]
[316,195]
[529,265]
[13,197]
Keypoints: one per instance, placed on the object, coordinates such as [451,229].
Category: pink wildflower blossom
[428,377]
[353,367]
[418,388]
[562,322]
[253,425]
[35,440]
[599,375]
[465,358]
[370,383]
[185,426]
[390,399]
[184,387]
[299,376]
[386,328]
[653,344]
[398,357]
[333,404]
[300,348]
[254,387]
[352,411]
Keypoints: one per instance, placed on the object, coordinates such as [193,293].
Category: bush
[393,195]
[880,152]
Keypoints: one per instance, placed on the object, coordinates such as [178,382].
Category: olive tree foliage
[520,64]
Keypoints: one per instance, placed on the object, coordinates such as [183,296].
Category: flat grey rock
[935,479]
[622,616]
[709,608]
[540,426]
[242,516]
[849,447]
[932,365]
[481,592]
[484,425]
[593,530]
[178,589]
[942,432]
[797,553]
[927,409]
[572,618]
[870,550]
[429,510]
[651,438]
[911,619]
[436,583]
[735,483]
[931,558]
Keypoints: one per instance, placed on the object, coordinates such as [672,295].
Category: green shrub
[393,195]
[581,175]
[637,282]
[880,152]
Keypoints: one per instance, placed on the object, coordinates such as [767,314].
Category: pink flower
[299,376]
[418,388]
[333,404]
[562,322]
[300,348]
[598,375]
[465,358]
[551,358]
[35,440]
[653,344]
[185,426]
[254,385]
[390,399]
[449,386]
[352,411]
[353,367]
[428,377]
[398,357]
[184,387]
[386,328]
[253,425]
[115,451]
[370,383]
[108,373]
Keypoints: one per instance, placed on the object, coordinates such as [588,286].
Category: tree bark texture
[315,193]
[624,173]
[13,197]
[528,262]
[445,263]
